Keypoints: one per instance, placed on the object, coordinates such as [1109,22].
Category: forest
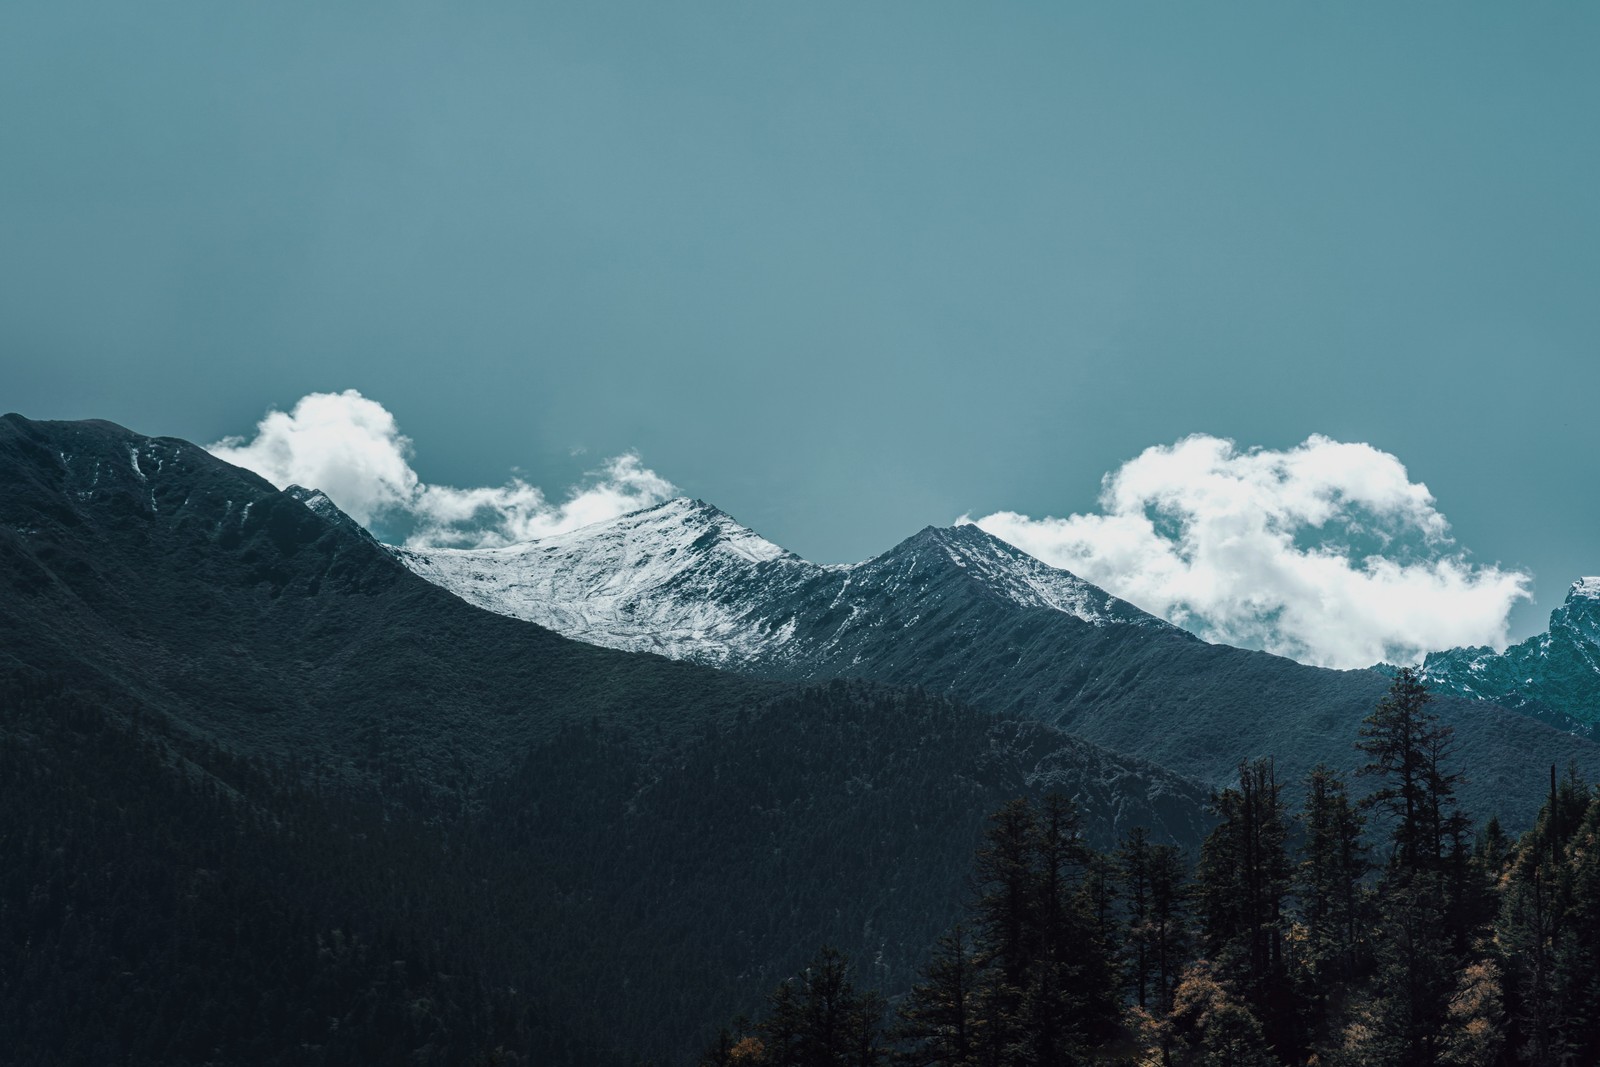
[1384,930]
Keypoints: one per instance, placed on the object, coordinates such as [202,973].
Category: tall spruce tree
[1421,933]
[938,1022]
[1156,920]
[820,1019]
[1171,936]
[1071,996]
[1327,883]
[1408,748]
[1242,882]
[1005,877]
[1133,865]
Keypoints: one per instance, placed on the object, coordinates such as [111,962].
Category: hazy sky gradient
[844,270]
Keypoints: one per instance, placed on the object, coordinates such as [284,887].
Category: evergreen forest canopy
[1295,938]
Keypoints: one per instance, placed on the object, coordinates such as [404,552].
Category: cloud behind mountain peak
[351,448]
[1326,552]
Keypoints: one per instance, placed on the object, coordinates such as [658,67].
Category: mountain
[1555,675]
[452,831]
[969,616]
[685,580]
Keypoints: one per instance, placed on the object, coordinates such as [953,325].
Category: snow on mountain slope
[685,580]
[681,579]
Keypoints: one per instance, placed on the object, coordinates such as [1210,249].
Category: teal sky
[842,269]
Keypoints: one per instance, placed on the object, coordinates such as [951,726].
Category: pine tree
[1169,918]
[1071,999]
[1005,877]
[1133,864]
[1409,747]
[819,1019]
[1475,1028]
[1047,990]
[1211,1027]
[1422,932]
[1154,887]
[1548,929]
[938,1020]
[1242,882]
[1327,886]
[1578,963]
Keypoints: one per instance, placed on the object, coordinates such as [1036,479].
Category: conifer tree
[938,1020]
[1578,962]
[1211,1027]
[1170,933]
[1047,988]
[1327,882]
[1548,930]
[1242,882]
[1408,747]
[819,1019]
[1422,929]
[1155,898]
[1133,863]
[1071,998]
[1005,877]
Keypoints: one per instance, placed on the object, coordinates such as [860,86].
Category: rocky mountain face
[1555,675]
[217,698]
[968,616]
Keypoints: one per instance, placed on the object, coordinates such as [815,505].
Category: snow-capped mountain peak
[686,580]
[674,578]
[1006,571]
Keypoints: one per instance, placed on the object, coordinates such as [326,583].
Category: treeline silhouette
[1385,931]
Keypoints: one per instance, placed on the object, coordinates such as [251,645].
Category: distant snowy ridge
[681,578]
[685,580]
[1555,674]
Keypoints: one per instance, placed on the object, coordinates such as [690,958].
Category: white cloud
[342,443]
[1216,539]
[351,448]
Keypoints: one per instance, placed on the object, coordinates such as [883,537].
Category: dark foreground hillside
[265,797]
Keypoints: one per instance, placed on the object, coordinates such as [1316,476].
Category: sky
[848,270]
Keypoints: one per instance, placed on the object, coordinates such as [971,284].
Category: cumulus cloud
[1326,552]
[352,449]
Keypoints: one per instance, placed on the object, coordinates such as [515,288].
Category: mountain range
[966,615]
[219,699]
[272,791]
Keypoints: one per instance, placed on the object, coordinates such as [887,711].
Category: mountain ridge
[973,618]
[1554,675]
[685,579]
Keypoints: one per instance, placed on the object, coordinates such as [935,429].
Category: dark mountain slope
[252,713]
[969,616]
[162,902]
[1140,686]
[200,590]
